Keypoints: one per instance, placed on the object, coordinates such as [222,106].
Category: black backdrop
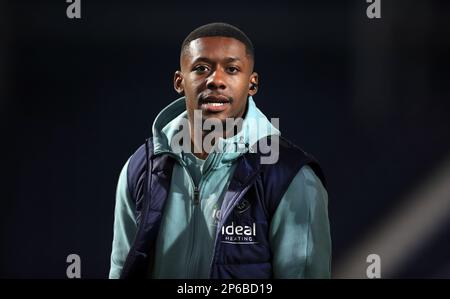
[369,98]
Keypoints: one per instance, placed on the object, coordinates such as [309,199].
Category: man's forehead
[215,46]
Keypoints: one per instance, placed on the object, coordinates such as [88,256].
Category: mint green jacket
[299,231]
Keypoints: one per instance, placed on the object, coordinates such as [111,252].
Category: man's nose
[216,80]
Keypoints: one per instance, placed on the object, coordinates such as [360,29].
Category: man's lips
[214,103]
[214,99]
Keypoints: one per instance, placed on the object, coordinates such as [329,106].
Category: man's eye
[232,69]
[200,69]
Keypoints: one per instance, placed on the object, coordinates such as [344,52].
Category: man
[186,208]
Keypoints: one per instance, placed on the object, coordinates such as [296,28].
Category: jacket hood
[172,118]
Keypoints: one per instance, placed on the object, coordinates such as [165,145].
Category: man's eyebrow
[207,60]
[232,59]
[202,59]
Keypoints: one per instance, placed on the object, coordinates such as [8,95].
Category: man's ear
[178,82]
[253,87]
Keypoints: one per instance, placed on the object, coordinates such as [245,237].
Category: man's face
[216,77]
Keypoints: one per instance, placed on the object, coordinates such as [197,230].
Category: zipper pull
[196,195]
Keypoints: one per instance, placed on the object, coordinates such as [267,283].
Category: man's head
[216,71]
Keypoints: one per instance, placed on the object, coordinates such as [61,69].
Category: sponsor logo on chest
[239,234]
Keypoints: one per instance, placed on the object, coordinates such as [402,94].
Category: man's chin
[213,119]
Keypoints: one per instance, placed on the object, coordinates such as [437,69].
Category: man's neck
[197,144]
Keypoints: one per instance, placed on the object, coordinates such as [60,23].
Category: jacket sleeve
[300,230]
[124,225]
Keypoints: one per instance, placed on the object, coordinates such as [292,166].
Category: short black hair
[220,29]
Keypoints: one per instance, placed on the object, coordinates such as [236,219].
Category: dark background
[368,97]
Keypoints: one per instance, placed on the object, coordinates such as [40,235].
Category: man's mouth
[214,103]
